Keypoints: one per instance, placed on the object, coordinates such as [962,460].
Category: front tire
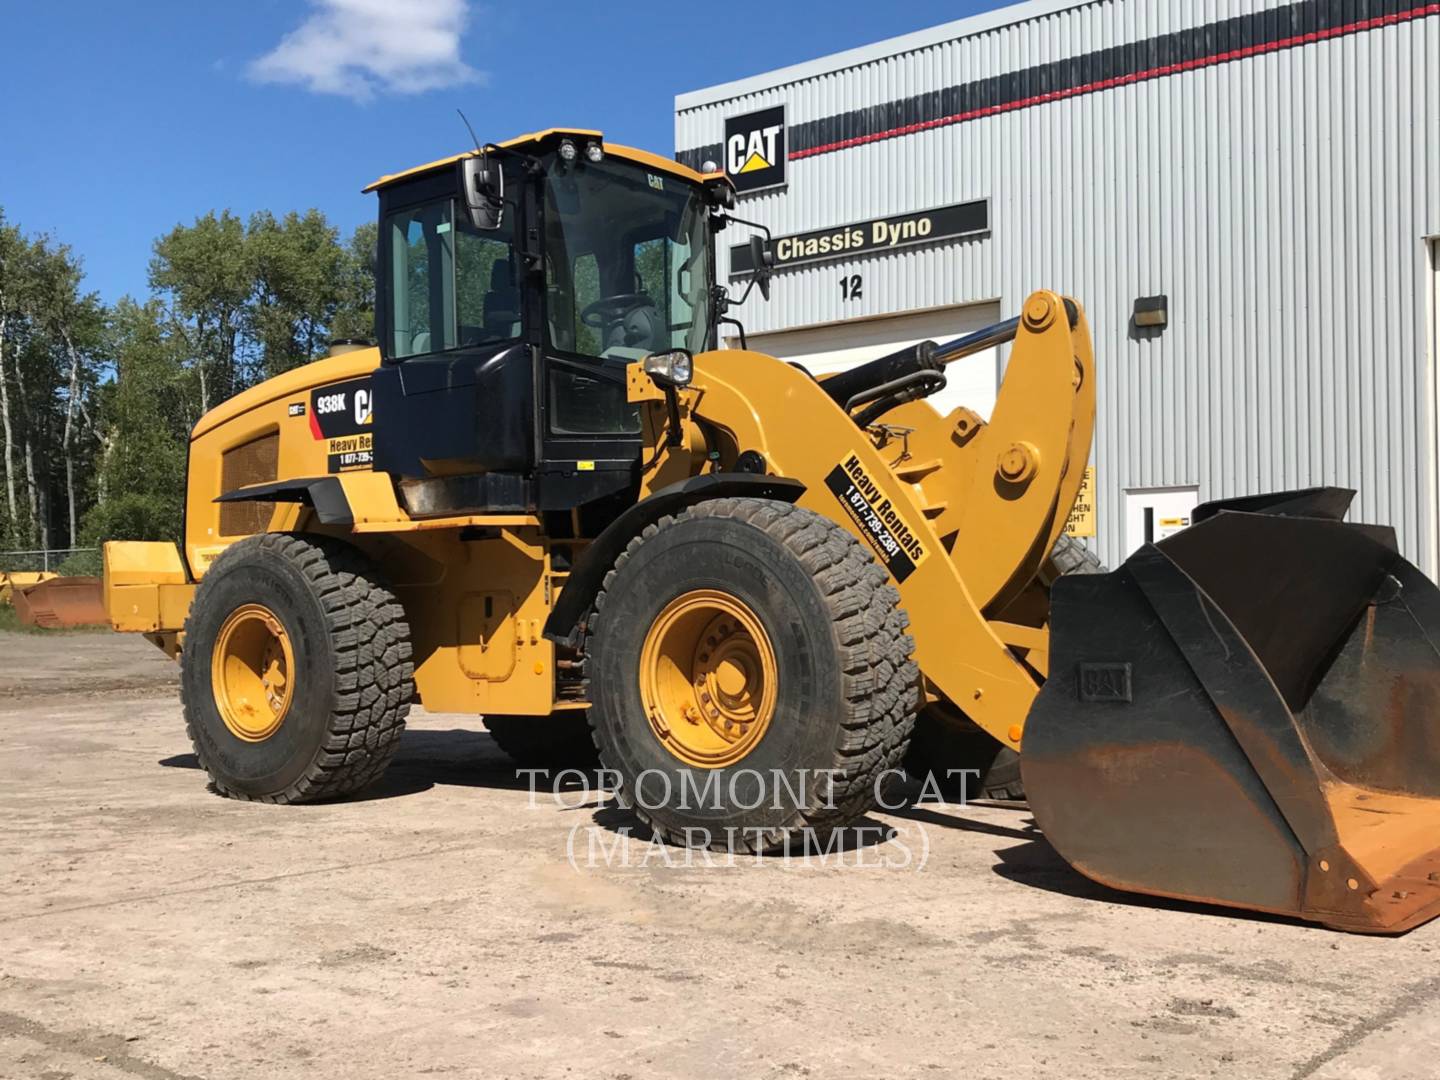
[745,651]
[296,672]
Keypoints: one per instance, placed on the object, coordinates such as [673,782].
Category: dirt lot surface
[447,925]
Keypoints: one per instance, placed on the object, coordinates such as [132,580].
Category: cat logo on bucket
[755,149]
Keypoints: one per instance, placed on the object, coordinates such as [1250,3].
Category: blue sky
[118,120]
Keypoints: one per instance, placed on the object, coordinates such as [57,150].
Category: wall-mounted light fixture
[1152,312]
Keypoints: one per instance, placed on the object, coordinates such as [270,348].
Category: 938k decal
[340,414]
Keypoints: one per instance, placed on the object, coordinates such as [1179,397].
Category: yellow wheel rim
[252,672]
[707,679]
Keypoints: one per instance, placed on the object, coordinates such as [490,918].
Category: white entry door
[1432,556]
[1151,514]
[823,349]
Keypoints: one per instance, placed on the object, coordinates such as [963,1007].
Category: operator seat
[641,328]
[502,303]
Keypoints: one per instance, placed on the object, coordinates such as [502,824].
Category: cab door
[589,433]
[453,395]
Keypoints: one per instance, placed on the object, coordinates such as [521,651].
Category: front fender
[589,570]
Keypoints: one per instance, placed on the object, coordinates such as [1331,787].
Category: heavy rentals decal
[340,414]
[880,523]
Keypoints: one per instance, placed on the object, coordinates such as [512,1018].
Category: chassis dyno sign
[340,415]
[899,548]
[874,236]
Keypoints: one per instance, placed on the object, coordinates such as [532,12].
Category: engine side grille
[254,462]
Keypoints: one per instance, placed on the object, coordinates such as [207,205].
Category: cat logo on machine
[755,149]
[877,518]
[342,415]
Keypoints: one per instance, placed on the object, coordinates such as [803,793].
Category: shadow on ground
[458,757]
[1036,864]
[466,758]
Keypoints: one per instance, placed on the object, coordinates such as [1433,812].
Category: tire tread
[373,665]
[881,680]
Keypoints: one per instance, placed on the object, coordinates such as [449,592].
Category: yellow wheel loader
[549,498]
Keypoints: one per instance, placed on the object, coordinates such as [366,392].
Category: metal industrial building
[1267,175]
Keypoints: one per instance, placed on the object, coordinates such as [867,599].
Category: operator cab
[514,285]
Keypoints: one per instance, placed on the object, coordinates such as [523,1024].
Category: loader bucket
[1248,713]
[20,579]
[61,601]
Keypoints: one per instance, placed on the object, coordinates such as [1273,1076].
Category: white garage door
[822,349]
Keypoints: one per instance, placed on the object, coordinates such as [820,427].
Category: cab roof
[534,138]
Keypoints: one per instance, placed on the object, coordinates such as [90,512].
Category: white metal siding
[1279,200]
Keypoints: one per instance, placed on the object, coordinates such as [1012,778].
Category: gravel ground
[448,923]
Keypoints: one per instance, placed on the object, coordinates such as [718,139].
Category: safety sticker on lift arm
[899,549]
[340,415]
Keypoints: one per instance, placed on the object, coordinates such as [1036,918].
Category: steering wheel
[610,309]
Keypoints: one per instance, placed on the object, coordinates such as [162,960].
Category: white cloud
[358,48]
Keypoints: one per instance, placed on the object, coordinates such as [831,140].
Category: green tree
[299,271]
[205,275]
[13,250]
[73,326]
[96,404]
[355,314]
[145,414]
[50,352]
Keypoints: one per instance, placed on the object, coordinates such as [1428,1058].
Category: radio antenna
[470,129]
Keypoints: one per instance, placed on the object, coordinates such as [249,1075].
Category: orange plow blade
[61,602]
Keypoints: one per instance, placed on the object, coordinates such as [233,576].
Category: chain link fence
[83,561]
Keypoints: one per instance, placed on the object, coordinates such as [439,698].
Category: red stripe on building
[1123,80]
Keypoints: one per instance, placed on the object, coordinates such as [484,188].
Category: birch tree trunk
[67,442]
[107,450]
[39,531]
[9,435]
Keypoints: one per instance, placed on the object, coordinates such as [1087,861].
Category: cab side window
[422,273]
[488,297]
[451,286]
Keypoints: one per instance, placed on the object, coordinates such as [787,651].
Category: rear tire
[559,741]
[833,642]
[1071,556]
[978,766]
[348,666]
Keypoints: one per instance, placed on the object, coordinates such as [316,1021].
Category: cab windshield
[627,267]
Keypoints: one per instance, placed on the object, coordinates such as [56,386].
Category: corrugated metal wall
[1280,200]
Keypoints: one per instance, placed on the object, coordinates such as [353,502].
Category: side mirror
[763,261]
[484,184]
